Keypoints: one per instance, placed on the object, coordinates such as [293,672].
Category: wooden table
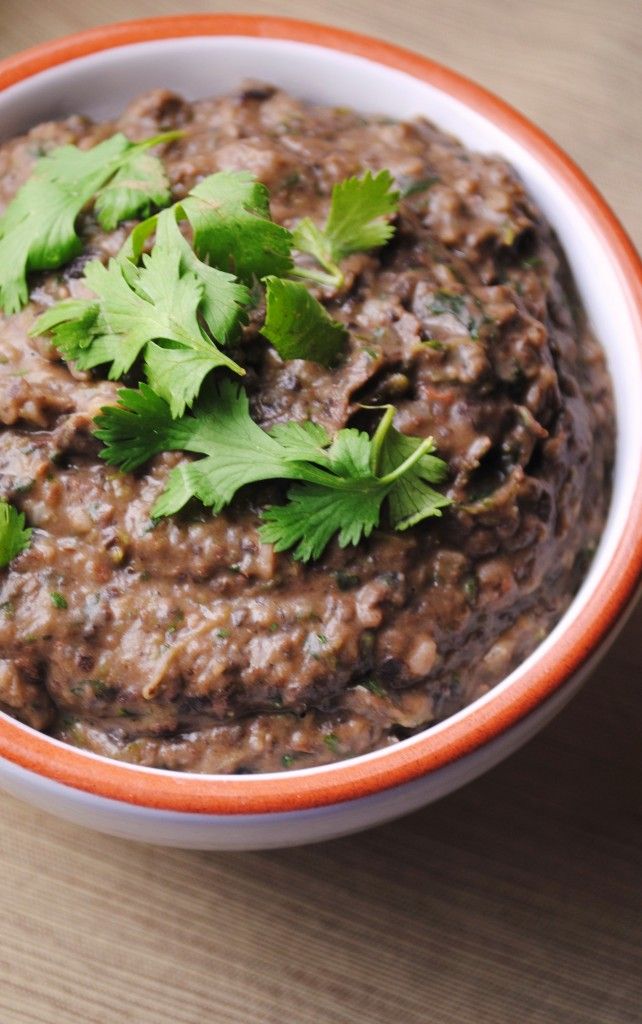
[515,901]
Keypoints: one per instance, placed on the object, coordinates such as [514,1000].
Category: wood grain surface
[516,901]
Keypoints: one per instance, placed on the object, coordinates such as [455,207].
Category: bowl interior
[100,85]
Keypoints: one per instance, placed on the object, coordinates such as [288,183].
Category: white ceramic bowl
[96,73]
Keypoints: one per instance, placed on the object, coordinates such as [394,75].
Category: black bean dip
[189,644]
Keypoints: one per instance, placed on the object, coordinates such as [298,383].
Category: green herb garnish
[230,217]
[295,322]
[14,536]
[342,482]
[178,309]
[356,222]
[152,309]
[447,302]
[59,600]
[38,228]
[176,305]
[375,688]
[139,184]
[422,185]
[224,298]
[331,741]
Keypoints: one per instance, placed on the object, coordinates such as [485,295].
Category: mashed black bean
[189,644]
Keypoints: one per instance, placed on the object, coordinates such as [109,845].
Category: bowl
[96,73]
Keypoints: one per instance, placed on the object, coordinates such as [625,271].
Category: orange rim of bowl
[350,780]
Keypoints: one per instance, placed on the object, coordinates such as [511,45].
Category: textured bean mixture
[189,644]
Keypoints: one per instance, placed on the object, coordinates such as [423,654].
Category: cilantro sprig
[14,536]
[38,227]
[178,292]
[357,221]
[153,308]
[176,305]
[341,484]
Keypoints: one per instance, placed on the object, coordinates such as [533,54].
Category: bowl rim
[352,779]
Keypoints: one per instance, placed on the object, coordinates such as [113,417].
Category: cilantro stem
[161,139]
[316,475]
[334,279]
[380,433]
[426,446]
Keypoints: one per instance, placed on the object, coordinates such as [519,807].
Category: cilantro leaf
[307,237]
[412,499]
[134,245]
[224,299]
[37,230]
[157,304]
[305,440]
[238,451]
[152,308]
[73,323]
[356,222]
[38,227]
[230,216]
[339,487]
[14,537]
[182,486]
[139,184]
[314,514]
[298,326]
[140,427]
[357,213]
[348,504]
[351,454]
